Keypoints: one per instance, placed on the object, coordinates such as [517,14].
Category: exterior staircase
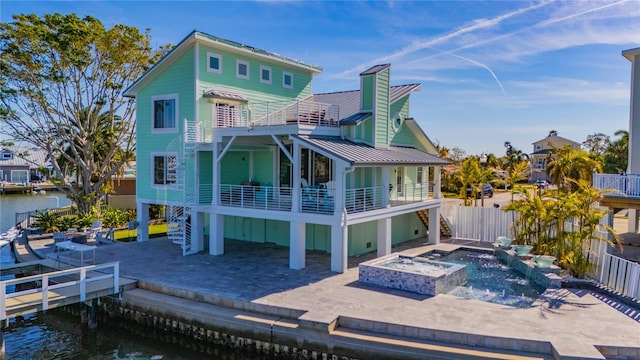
[179,212]
[445,229]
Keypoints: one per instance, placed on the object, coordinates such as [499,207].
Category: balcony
[299,112]
[316,199]
[627,186]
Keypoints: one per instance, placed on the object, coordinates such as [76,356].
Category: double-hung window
[165,113]
[287,80]
[242,69]
[165,166]
[419,175]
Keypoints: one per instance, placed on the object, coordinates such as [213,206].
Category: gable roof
[358,154]
[555,137]
[220,43]
[23,156]
[349,101]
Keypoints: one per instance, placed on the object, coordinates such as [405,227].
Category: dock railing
[63,279]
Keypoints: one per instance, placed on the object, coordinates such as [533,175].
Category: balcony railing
[318,200]
[300,112]
[256,197]
[618,185]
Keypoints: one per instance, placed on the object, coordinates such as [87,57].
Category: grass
[155,230]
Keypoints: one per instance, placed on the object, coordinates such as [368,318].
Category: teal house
[234,142]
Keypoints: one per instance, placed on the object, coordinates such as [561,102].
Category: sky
[490,71]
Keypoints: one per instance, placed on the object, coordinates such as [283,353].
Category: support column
[386,181]
[142,211]
[296,186]
[197,231]
[633,221]
[437,185]
[297,244]
[339,248]
[434,226]
[384,236]
[216,236]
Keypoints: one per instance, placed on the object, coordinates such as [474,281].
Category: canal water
[57,335]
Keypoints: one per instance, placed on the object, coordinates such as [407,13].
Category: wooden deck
[49,290]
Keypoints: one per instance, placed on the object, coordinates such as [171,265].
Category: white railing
[409,193]
[620,275]
[317,200]
[227,116]
[300,112]
[205,194]
[364,199]
[255,197]
[618,185]
[68,278]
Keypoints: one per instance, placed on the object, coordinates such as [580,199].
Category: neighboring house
[542,150]
[123,195]
[20,165]
[233,140]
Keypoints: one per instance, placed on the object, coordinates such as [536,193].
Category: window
[419,175]
[214,63]
[165,169]
[242,69]
[2,176]
[7,155]
[165,113]
[19,176]
[399,180]
[287,80]
[265,74]
[397,121]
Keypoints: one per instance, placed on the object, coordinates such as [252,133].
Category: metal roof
[358,154]
[375,69]
[349,101]
[223,94]
[23,156]
[356,118]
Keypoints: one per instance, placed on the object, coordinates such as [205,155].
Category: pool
[488,279]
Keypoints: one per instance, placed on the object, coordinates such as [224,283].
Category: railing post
[116,277]
[3,297]
[83,284]
[45,292]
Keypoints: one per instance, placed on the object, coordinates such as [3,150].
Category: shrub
[47,221]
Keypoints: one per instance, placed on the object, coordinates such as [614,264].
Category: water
[12,203]
[427,267]
[491,281]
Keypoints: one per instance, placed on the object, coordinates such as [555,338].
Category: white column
[142,211]
[632,221]
[384,236]
[434,226]
[216,236]
[295,168]
[386,181]
[437,193]
[197,230]
[339,248]
[297,245]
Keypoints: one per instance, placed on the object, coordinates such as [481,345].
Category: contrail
[553,21]
[426,44]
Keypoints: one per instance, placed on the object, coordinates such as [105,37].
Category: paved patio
[574,321]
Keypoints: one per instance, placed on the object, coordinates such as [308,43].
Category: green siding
[235,167]
[263,167]
[366,100]
[176,79]
[383,126]
[403,228]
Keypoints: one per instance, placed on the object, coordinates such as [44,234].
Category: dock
[13,188]
[52,289]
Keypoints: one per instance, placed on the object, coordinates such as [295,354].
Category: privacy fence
[485,224]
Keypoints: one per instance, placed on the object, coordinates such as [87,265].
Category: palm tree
[469,175]
[517,173]
[616,154]
[571,164]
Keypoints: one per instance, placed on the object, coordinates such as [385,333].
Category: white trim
[165,154]
[242,62]
[196,73]
[284,77]
[174,129]
[217,56]
[266,68]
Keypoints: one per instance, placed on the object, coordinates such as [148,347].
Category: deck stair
[179,212]
[445,229]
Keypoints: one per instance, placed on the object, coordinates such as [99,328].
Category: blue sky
[490,71]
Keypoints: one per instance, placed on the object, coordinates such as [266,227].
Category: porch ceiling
[357,154]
